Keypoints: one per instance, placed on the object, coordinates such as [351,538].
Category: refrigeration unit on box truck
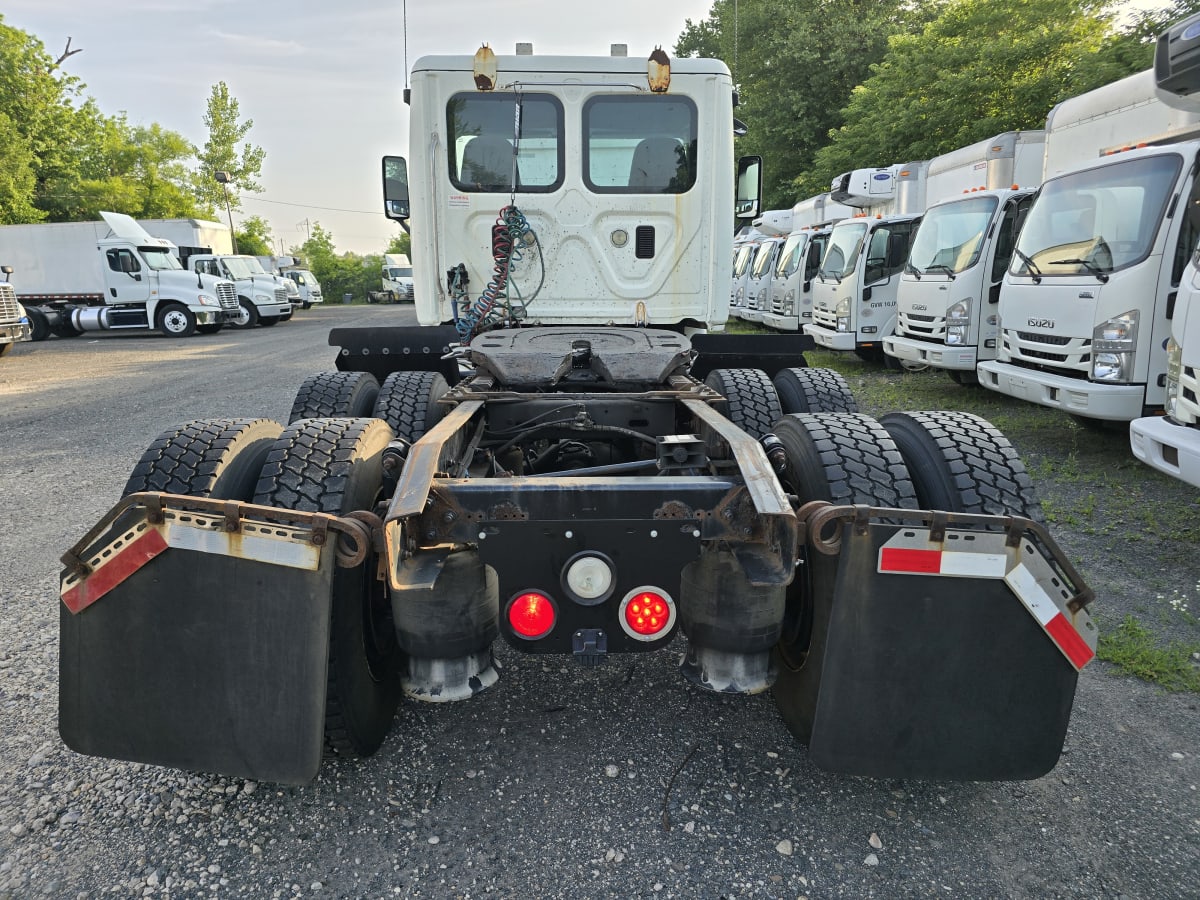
[1086,305]
[854,297]
[97,276]
[949,294]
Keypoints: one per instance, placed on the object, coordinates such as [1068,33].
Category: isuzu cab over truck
[562,458]
[93,276]
[776,225]
[743,264]
[1087,301]
[946,305]
[798,261]
[854,298]
[1171,442]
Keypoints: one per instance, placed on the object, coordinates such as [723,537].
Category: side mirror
[395,188]
[749,187]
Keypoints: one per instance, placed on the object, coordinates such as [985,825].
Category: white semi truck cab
[80,276]
[854,298]
[397,279]
[947,302]
[1086,305]
[263,298]
[798,261]
[14,323]
[1171,442]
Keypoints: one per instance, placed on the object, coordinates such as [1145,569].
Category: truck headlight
[207,300]
[958,323]
[842,313]
[1174,368]
[263,298]
[1113,343]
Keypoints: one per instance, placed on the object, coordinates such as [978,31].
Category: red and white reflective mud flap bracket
[196,636]
[1030,577]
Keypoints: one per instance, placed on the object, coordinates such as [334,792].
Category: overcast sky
[323,85]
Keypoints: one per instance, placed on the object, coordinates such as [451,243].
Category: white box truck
[1086,306]
[775,225]
[947,302]
[14,323]
[1171,442]
[799,258]
[296,270]
[97,276]
[854,298]
[743,263]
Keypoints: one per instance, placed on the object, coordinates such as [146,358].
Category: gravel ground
[560,782]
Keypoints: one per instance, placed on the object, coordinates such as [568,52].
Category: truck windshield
[743,258]
[763,258]
[243,267]
[1097,220]
[950,237]
[159,258]
[845,243]
[399,272]
[791,254]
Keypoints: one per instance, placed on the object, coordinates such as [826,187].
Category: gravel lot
[553,784]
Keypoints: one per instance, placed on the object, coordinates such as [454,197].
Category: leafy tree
[254,237]
[221,154]
[401,243]
[796,64]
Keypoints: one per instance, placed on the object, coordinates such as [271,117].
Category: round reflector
[647,614]
[531,615]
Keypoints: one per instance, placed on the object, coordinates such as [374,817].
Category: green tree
[221,153]
[795,66]
[401,243]
[254,237]
[976,70]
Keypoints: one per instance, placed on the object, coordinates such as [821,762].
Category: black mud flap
[949,660]
[188,647]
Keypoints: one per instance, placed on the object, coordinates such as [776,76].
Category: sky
[322,82]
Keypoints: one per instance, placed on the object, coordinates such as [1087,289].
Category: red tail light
[531,615]
[647,614]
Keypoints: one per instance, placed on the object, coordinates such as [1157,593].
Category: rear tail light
[647,614]
[531,615]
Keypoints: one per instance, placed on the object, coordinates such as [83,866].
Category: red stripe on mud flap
[128,560]
[1069,641]
[895,559]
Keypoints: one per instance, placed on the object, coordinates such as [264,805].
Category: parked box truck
[799,259]
[775,225]
[296,270]
[949,293]
[1086,306]
[854,298]
[397,280]
[96,276]
[1171,442]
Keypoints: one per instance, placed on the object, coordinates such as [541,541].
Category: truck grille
[9,310]
[825,318]
[1072,356]
[316,296]
[926,328]
[1056,340]
[281,295]
[227,295]
[777,303]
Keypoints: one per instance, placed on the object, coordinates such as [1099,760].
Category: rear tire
[843,458]
[960,462]
[5,347]
[407,401]
[328,395]
[752,404]
[963,377]
[335,466]
[813,391]
[218,458]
